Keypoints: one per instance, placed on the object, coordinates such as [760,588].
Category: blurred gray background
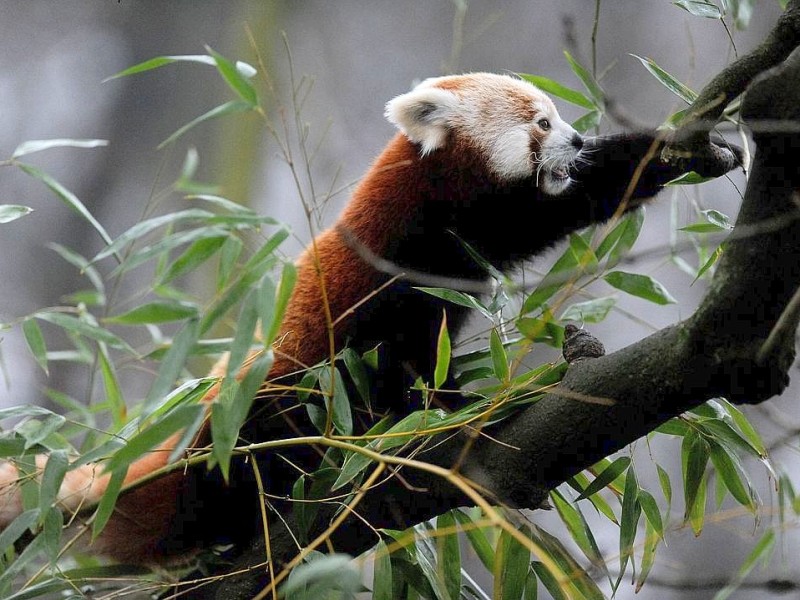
[55,56]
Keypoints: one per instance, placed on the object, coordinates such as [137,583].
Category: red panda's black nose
[577,141]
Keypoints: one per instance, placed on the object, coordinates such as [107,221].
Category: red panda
[479,158]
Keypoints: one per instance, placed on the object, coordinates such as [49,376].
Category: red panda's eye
[544,124]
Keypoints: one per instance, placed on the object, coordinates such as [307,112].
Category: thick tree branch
[734,79]
[721,350]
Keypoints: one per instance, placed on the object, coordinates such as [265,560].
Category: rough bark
[739,344]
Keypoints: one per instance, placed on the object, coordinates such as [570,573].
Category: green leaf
[194,256]
[108,501]
[690,178]
[156,312]
[382,573]
[576,260]
[694,458]
[548,581]
[591,311]
[554,88]
[32,146]
[459,298]
[476,536]
[227,417]
[511,567]
[578,529]
[144,227]
[576,581]
[336,400]
[666,485]
[443,353]
[651,512]
[54,471]
[12,212]
[172,364]
[282,296]
[606,476]
[17,528]
[499,358]
[232,107]
[228,255]
[82,264]
[154,63]
[629,519]
[81,327]
[622,237]
[67,197]
[235,80]
[745,428]
[588,121]
[408,426]
[641,286]
[358,373]
[36,343]
[424,551]
[667,80]
[448,553]
[579,483]
[317,577]
[651,541]
[587,79]
[248,275]
[731,474]
[150,437]
[700,9]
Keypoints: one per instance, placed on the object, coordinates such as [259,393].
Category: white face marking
[557,155]
[502,117]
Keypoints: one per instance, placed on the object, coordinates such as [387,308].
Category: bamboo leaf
[499,358]
[32,146]
[511,567]
[587,79]
[172,364]
[641,286]
[12,212]
[382,573]
[108,501]
[667,80]
[194,256]
[232,107]
[53,475]
[67,197]
[36,343]
[694,458]
[159,61]
[591,311]
[609,474]
[234,78]
[477,538]
[156,312]
[448,553]
[17,528]
[731,475]
[81,327]
[561,91]
[459,298]
[629,520]
[443,350]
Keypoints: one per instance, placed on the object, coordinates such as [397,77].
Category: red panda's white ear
[424,115]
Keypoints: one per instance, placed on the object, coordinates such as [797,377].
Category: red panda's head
[511,125]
